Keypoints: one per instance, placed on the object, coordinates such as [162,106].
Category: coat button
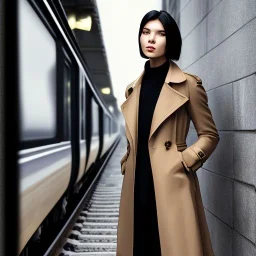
[168,144]
[201,154]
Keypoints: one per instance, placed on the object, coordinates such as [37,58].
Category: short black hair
[173,36]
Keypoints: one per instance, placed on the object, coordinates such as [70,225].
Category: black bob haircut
[172,32]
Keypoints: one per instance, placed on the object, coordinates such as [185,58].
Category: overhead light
[105,90]
[111,108]
[72,21]
[82,24]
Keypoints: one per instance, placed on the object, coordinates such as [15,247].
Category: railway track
[92,228]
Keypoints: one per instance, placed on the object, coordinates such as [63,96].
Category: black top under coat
[146,234]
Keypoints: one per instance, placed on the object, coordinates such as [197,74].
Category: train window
[67,103]
[83,117]
[110,123]
[95,118]
[114,127]
[37,69]
[106,124]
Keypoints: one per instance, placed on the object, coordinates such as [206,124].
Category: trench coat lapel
[168,102]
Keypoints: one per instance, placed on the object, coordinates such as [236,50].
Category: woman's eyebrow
[158,30]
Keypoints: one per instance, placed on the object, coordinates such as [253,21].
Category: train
[65,127]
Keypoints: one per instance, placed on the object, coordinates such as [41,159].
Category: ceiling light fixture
[105,90]
[82,24]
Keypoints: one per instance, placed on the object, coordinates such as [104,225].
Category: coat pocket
[179,148]
[190,173]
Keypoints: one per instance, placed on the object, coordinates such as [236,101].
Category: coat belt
[181,145]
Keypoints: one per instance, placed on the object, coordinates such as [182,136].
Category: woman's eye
[146,32]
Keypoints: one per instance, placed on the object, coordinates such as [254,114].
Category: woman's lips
[150,49]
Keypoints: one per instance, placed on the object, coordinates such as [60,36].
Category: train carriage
[65,126]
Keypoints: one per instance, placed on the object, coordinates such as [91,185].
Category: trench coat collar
[174,75]
[169,101]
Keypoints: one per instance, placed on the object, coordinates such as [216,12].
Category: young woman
[161,210]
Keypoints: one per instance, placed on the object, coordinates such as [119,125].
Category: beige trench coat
[183,229]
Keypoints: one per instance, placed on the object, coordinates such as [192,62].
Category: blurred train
[65,127]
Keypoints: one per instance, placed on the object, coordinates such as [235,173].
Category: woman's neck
[156,62]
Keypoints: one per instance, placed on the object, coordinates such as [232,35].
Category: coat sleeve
[195,155]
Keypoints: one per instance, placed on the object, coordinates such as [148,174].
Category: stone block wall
[219,45]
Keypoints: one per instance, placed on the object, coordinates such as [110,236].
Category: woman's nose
[151,38]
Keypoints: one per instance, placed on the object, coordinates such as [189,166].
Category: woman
[161,210]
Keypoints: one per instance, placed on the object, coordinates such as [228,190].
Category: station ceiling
[91,44]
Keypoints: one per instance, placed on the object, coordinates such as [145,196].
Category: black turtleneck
[151,86]
[146,235]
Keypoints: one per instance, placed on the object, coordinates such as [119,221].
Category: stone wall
[219,46]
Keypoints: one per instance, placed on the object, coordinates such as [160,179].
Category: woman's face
[153,35]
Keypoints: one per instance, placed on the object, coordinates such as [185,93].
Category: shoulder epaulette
[198,79]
